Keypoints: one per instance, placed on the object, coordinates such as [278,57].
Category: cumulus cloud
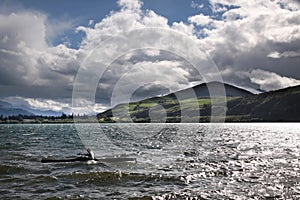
[129,18]
[33,36]
[200,19]
[26,57]
[259,36]
[134,5]
[196,5]
[30,66]
[271,81]
[118,28]
[285,54]
[250,35]
[58,105]
[41,104]
[145,72]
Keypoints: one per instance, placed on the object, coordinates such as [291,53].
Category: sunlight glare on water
[174,161]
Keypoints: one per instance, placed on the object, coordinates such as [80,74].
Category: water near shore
[174,161]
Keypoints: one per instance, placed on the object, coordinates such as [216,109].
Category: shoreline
[93,122]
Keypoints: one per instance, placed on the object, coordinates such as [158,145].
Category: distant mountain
[5,104]
[38,112]
[7,109]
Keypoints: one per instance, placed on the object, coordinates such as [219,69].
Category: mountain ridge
[242,105]
[214,88]
[7,109]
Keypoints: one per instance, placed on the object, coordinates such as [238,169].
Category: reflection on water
[174,161]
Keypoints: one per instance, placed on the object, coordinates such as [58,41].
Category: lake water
[174,161]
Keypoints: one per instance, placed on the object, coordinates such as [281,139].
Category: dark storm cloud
[142,64]
[257,38]
[254,45]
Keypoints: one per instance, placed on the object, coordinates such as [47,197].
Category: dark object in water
[49,160]
[84,159]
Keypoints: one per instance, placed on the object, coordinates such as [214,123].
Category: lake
[173,161]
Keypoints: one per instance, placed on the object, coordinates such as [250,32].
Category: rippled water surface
[173,161]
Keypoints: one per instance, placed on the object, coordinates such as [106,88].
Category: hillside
[281,105]
[242,106]
[202,90]
[168,108]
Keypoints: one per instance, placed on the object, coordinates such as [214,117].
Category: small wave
[9,169]
[149,141]
[109,178]
[174,195]
[45,179]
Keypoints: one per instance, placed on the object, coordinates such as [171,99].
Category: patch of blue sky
[79,12]
[177,10]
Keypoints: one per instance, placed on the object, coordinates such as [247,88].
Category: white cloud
[150,52]
[129,18]
[58,105]
[57,27]
[289,4]
[220,5]
[170,75]
[23,27]
[39,103]
[264,20]
[91,22]
[84,106]
[151,19]
[116,27]
[243,39]
[225,2]
[270,80]
[196,5]
[200,19]
[251,33]
[134,5]
[181,27]
[285,54]
[25,52]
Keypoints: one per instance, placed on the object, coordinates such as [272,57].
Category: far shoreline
[93,122]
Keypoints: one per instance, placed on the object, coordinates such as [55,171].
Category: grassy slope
[281,105]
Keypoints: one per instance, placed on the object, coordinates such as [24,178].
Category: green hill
[242,106]
[281,105]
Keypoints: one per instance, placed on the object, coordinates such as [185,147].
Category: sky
[111,51]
